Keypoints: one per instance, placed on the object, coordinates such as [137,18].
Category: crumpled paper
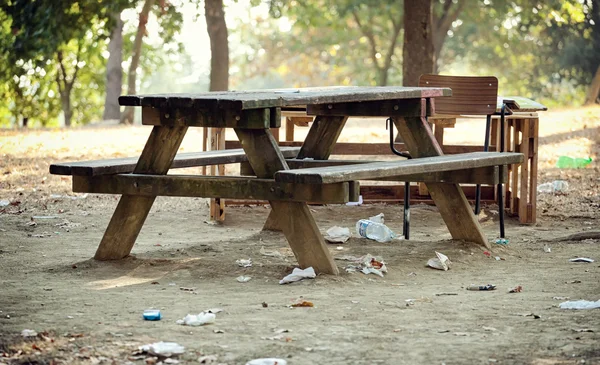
[299,274]
[337,234]
[199,319]
[367,264]
[441,262]
[165,349]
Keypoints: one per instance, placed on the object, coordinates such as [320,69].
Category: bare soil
[90,312]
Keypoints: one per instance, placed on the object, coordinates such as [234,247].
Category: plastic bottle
[565,162]
[375,231]
[556,187]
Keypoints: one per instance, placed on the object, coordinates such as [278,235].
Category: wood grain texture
[230,187]
[214,118]
[131,212]
[475,95]
[449,198]
[295,219]
[375,170]
[256,99]
[182,160]
[383,108]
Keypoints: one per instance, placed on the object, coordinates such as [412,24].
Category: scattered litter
[516,289]
[487,253]
[498,258]
[207,359]
[535,316]
[66,225]
[355,302]
[337,234]
[219,331]
[441,262]
[42,235]
[555,187]
[211,223]
[339,248]
[419,300]
[359,202]
[482,287]
[265,304]
[165,349]
[579,304]
[502,241]
[243,278]
[269,361]
[186,289]
[299,274]
[28,333]
[582,259]
[76,197]
[303,303]
[31,224]
[379,218]
[244,262]
[464,334]
[44,217]
[561,298]
[489,329]
[573,282]
[367,264]
[375,231]
[270,253]
[4,203]
[152,315]
[547,249]
[442,294]
[198,319]
[582,330]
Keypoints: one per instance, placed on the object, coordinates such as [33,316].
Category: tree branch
[370,37]
[77,54]
[442,26]
[61,70]
[393,42]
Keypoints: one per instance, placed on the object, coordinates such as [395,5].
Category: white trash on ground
[367,264]
[244,262]
[375,231]
[359,202]
[199,319]
[582,259]
[269,361]
[579,304]
[165,349]
[556,187]
[379,218]
[337,234]
[4,203]
[28,333]
[243,278]
[271,253]
[441,262]
[299,274]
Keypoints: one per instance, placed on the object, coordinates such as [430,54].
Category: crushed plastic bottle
[375,231]
[556,187]
[565,162]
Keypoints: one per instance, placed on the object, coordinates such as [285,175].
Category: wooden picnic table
[251,114]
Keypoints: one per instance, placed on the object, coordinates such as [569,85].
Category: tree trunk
[25,122]
[417,54]
[114,71]
[65,100]
[219,48]
[441,26]
[594,90]
[127,116]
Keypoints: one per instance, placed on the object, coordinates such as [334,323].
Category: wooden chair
[471,96]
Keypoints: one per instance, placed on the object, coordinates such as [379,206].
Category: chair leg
[500,186]
[486,148]
[406,223]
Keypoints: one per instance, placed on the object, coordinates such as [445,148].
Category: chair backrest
[471,95]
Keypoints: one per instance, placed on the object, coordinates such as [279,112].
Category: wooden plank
[217,205]
[214,118]
[527,105]
[295,219]
[481,175]
[449,198]
[229,187]
[131,212]
[374,170]
[256,99]
[182,160]
[370,149]
[289,129]
[475,95]
[383,108]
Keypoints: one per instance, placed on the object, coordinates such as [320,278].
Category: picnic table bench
[312,179]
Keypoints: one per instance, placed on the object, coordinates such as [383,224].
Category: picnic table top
[255,99]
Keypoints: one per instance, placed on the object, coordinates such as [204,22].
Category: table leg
[319,144]
[449,198]
[131,212]
[294,219]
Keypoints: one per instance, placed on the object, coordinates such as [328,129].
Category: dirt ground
[90,312]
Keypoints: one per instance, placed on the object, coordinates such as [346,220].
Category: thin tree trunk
[442,25]
[417,54]
[219,48]
[25,122]
[127,116]
[594,90]
[114,71]
[65,100]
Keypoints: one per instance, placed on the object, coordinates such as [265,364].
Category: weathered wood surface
[131,212]
[449,198]
[229,187]
[525,104]
[256,99]
[294,218]
[214,118]
[386,108]
[375,170]
[182,160]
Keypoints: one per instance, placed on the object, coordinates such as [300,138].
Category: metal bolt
[395,107]
[488,105]
[167,115]
[329,106]
[237,117]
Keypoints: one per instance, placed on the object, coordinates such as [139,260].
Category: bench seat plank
[376,170]
[127,164]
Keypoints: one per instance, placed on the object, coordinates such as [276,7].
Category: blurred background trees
[66,62]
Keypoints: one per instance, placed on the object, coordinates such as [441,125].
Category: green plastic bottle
[565,162]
